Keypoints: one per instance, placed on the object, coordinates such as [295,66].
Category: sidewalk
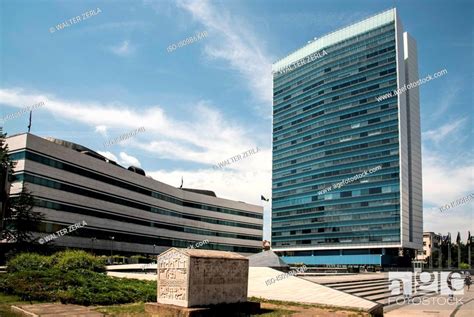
[55,310]
[438,306]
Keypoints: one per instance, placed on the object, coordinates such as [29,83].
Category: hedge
[72,277]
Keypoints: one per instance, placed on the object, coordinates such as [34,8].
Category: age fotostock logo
[421,283]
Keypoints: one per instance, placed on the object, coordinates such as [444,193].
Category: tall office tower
[328,126]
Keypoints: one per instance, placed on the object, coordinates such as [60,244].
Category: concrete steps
[357,282]
[361,286]
[376,290]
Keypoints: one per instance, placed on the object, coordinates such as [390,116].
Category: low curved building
[126,212]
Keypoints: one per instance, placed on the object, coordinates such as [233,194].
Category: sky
[108,73]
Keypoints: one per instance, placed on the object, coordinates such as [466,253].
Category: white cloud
[122,49]
[125,159]
[244,186]
[445,181]
[102,129]
[108,155]
[442,132]
[204,136]
[129,160]
[453,220]
[447,100]
[230,41]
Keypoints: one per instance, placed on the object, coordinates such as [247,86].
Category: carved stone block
[192,277]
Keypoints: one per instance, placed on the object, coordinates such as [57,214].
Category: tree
[6,168]
[4,157]
[20,220]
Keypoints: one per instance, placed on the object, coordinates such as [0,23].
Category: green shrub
[86,288]
[32,285]
[28,261]
[464,266]
[73,277]
[100,289]
[73,260]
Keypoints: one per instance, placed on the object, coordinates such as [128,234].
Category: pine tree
[6,167]
[4,157]
[20,220]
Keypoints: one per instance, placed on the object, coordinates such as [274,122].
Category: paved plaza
[295,289]
[316,290]
[359,291]
[55,310]
[375,287]
[437,306]
[291,289]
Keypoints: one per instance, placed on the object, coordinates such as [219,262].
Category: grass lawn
[132,310]
[6,301]
[282,308]
[269,309]
[138,309]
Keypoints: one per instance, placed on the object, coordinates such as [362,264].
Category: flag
[263,198]
[29,124]
[468,238]
[458,239]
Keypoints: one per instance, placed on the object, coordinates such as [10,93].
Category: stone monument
[201,279]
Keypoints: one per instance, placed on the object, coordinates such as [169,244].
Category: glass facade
[327,127]
[141,216]
[112,181]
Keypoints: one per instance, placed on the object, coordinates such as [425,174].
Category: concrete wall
[414,143]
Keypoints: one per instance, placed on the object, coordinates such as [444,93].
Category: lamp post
[111,245]
[92,244]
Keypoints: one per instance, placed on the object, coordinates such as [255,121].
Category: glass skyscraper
[329,126]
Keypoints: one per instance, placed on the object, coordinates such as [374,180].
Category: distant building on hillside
[431,243]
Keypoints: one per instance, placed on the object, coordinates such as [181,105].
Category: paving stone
[55,309]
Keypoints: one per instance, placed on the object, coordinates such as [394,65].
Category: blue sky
[210,100]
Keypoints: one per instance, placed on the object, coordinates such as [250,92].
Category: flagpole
[458,242]
[29,124]
[469,242]
[459,256]
[449,250]
[469,255]
[440,254]
[431,255]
